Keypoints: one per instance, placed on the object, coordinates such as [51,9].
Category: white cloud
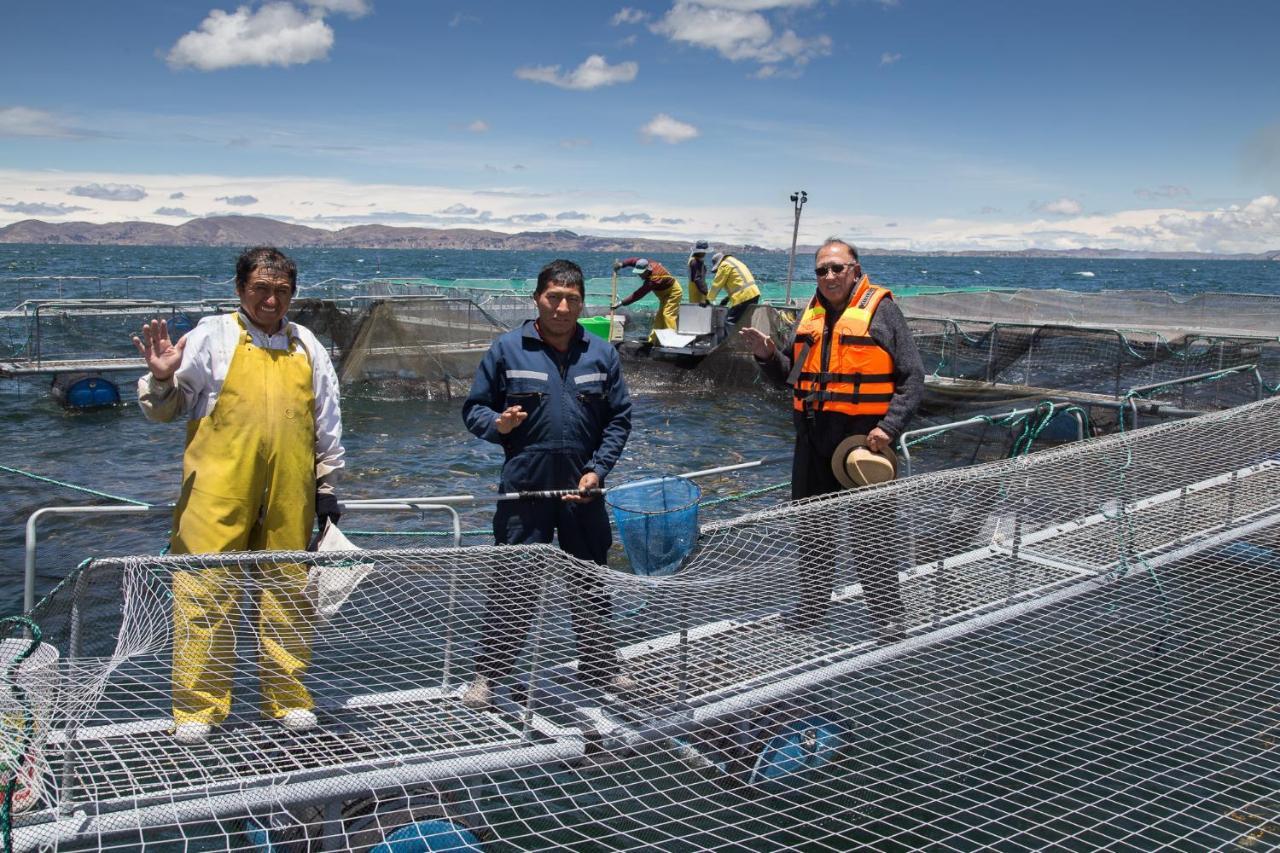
[460,18]
[350,8]
[238,200]
[576,142]
[888,58]
[1246,227]
[459,210]
[738,32]
[275,34]
[626,218]
[35,208]
[109,192]
[478,126]
[594,72]
[627,15]
[25,121]
[756,5]
[1061,206]
[1231,229]
[775,72]
[668,129]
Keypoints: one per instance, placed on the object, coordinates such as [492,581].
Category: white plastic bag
[328,587]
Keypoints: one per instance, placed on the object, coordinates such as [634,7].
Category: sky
[911,124]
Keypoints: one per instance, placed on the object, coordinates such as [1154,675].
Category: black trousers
[514,598]
[736,312]
[820,546]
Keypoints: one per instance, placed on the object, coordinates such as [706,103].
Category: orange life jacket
[845,372]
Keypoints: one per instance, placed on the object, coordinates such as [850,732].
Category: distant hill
[255,230]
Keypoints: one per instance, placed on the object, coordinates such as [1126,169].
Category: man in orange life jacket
[855,370]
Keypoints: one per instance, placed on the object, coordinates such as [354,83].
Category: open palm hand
[161,355]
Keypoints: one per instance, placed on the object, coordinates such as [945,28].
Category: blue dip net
[657,522]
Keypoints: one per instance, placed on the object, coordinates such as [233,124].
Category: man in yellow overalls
[663,284]
[264,445]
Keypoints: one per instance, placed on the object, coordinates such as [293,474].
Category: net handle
[548,494]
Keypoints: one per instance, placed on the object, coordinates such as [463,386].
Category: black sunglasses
[835,269]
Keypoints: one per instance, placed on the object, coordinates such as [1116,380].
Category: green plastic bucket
[598,326]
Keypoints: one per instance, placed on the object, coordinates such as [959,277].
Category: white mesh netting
[1074,649]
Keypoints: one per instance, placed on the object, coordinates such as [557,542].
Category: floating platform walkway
[1093,627]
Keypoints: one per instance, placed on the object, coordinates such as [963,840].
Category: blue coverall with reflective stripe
[579,419]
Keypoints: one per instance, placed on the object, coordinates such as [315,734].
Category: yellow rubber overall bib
[668,314]
[248,483]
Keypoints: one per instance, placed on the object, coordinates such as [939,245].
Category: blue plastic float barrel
[85,391]
[430,836]
[801,746]
[179,325]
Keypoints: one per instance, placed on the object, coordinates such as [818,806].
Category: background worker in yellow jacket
[854,370]
[662,284]
[739,285]
[263,449]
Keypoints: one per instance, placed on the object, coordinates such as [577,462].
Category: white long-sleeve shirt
[194,388]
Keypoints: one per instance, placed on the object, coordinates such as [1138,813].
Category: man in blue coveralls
[554,398]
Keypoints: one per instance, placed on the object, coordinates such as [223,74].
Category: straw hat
[856,465]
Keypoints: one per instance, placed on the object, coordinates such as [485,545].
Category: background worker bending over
[663,284]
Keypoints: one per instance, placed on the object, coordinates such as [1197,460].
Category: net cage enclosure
[1075,649]
[422,346]
[92,338]
[1199,353]
[1125,357]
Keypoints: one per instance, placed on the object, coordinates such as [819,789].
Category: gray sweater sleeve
[777,366]
[889,329]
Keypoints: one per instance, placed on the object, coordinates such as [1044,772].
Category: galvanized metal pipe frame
[1131,396]
[903,444]
[283,794]
[32,536]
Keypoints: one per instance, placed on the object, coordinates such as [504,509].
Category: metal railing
[32,534]
[1132,395]
[904,443]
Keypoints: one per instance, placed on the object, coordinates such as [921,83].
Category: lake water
[414,447]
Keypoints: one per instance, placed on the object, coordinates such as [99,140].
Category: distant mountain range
[255,230]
